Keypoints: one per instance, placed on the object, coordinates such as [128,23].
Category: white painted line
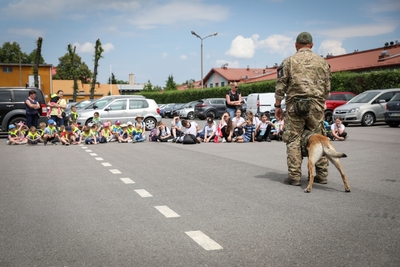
[92,154]
[84,147]
[99,159]
[143,193]
[115,171]
[127,180]
[203,240]
[167,212]
[106,164]
[88,150]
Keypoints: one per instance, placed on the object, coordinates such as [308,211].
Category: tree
[37,61]
[115,81]
[98,50]
[148,87]
[171,85]
[157,88]
[11,53]
[32,58]
[65,70]
[73,71]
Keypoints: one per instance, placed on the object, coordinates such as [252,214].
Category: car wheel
[190,116]
[212,113]
[393,124]
[329,116]
[202,118]
[150,123]
[90,120]
[368,119]
[16,120]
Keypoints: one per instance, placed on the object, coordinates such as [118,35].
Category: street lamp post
[198,36]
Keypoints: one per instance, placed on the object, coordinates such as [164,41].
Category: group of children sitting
[235,129]
[93,133]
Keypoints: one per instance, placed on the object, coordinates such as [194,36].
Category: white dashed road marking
[88,150]
[127,180]
[143,193]
[99,159]
[115,171]
[167,212]
[92,154]
[84,147]
[106,164]
[203,240]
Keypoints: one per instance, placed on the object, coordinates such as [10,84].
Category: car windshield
[396,97]
[82,104]
[364,97]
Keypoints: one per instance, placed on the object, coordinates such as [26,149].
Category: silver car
[366,108]
[123,109]
[187,110]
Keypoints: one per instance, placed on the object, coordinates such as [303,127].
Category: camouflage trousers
[293,129]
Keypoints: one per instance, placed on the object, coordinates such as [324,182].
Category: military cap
[304,38]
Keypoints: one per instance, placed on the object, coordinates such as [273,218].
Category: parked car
[207,106]
[261,103]
[123,108]
[12,105]
[392,113]
[244,105]
[169,111]
[366,108]
[165,108]
[187,110]
[335,100]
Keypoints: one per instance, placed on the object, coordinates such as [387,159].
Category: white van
[261,103]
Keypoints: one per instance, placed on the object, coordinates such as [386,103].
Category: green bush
[356,82]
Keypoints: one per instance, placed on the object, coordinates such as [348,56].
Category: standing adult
[233,99]
[54,113]
[305,79]
[32,107]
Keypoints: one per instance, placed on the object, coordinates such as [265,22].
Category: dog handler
[305,78]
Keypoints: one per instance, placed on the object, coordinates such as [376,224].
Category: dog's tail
[333,153]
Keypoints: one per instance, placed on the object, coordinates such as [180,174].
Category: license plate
[394,114]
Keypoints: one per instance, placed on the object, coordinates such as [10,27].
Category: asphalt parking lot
[166,204]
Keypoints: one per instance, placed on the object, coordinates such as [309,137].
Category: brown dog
[318,146]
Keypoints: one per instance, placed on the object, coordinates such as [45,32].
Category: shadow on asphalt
[279,177]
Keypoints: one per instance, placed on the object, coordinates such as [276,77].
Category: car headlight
[354,110]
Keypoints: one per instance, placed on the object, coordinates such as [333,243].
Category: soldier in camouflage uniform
[303,75]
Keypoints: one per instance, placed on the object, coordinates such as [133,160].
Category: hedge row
[341,81]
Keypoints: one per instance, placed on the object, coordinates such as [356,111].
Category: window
[136,104]
[222,83]
[348,96]
[216,84]
[5,96]
[385,96]
[20,95]
[118,105]
[8,69]
[211,85]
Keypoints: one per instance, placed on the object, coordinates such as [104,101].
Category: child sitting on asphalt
[105,133]
[338,130]
[209,131]
[13,136]
[124,136]
[64,135]
[248,132]
[163,134]
[33,136]
[138,134]
[116,131]
[50,133]
[87,136]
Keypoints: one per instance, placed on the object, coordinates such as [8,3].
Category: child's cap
[68,128]
[210,120]
[11,126]
[105,124]
[117,122]
[124,125]
[50,121]
[129,123]
[90,124]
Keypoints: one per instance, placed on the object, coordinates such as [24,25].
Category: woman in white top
[337,130]
[238,122]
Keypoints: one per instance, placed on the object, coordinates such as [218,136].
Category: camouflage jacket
[304,74]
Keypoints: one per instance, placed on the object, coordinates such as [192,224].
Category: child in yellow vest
[33,136]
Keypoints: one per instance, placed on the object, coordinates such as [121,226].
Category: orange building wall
[20,79]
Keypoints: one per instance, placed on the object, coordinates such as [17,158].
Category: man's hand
[278,113]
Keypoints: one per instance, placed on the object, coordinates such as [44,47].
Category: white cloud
[360,30]
[279,44]
[333,47]
[164,55]
[384,6]
[241,48]
[231,64]
[89,47]
[107,47]
[183,57]
[178,12]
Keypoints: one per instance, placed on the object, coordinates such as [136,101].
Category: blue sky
[152,39]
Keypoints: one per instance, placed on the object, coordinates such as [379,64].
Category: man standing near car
[305,79]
